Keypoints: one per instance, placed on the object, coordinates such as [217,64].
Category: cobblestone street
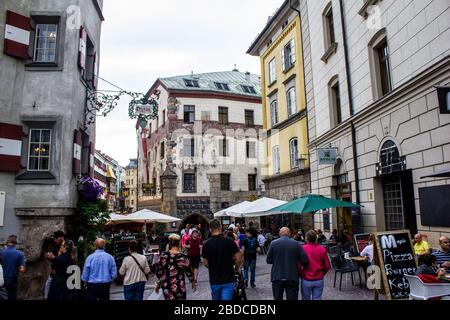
[263,290]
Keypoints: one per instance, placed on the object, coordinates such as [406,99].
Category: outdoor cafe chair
[425,291]
[343,266]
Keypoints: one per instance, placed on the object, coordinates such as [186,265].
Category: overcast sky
[143,40]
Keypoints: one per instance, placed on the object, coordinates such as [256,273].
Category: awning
[439,174]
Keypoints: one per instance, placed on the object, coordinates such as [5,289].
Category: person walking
[98,272]
[13,262]
[135,268]
[172,267]
[262,243]
[58,290]
[222,258]
[194,246]
[318,265]
[285,254]
[250,247]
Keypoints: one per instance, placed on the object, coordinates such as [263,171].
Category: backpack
[251,246]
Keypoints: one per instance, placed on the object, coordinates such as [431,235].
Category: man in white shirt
[135,268]
[368,250]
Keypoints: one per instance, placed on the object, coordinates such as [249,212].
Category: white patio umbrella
[233,210]
[260,208]
[151,216]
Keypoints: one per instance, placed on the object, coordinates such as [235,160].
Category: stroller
[239,288]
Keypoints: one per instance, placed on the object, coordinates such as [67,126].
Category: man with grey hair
[285,254]
[98,272]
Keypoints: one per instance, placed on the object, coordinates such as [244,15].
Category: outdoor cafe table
[363,263]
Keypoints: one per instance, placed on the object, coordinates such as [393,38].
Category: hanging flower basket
[89,189]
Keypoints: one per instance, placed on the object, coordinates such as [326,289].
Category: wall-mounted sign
[144,109]
[2,207]
[327,156]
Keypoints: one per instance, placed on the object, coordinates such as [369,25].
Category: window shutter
[10,147]
[293,56]
[91,159]
[76,163]
[283,62]
[95,71]
[293,101]
[82,49]
[17,35]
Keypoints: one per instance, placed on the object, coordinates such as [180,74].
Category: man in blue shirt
[443,255]
[98,272]
[13,262]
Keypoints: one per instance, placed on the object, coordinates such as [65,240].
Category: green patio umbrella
[312,203]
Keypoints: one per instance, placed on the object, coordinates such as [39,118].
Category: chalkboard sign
[395,256]
[361,241]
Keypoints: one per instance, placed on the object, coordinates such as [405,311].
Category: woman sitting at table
[334,236]
[368,250]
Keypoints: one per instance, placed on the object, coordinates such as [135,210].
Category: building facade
[49,55]
[108,173]
[130,192]
[378,128]
[283,67]
[207,135]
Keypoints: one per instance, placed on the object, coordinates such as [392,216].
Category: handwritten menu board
[361,241]
[395,256]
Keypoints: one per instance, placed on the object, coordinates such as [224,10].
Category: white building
[207,129]
[376,66]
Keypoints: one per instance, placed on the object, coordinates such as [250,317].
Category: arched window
[293,150]
[274,112]
[390,160]
[291,101]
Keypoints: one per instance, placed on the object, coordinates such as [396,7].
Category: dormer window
[248,89]
[191,83]
[222,86]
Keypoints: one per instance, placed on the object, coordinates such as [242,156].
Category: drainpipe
[304,87]
[350,101]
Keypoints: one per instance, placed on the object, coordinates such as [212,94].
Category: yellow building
[279,46]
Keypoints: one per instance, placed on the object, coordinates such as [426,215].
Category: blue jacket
[284,255]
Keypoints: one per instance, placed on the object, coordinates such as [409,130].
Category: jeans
[134,291]
[252,265]
[291,288]
[11,284]
[312,290]
[222,291]
[98,291]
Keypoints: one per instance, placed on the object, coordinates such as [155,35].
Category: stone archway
[196,219]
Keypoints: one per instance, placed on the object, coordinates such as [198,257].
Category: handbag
[140,267]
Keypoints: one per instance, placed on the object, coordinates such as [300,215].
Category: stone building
[378,132]
[284,67]
[49,55]
[205,141]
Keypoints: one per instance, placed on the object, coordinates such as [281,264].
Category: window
[225,182]
[329,34]
[39,150]
[222,86]
[380,67]
[189,183]
[189,147]
[274,112]
[384,67]
[291,101]
[163,118]
[45,43]
[162,150]
[191,83]
[223,115]
[223,147]
[276,159]
[444,99]
[251,149]
[249,118]
[248,89]
[293,151]
[252,182]
[288,55]
[189,114]
[272,71]
[335,103]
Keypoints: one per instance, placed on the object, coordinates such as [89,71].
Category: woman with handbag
[172,268]
[135,268]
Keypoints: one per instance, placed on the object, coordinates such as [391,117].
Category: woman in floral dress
[172,268]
